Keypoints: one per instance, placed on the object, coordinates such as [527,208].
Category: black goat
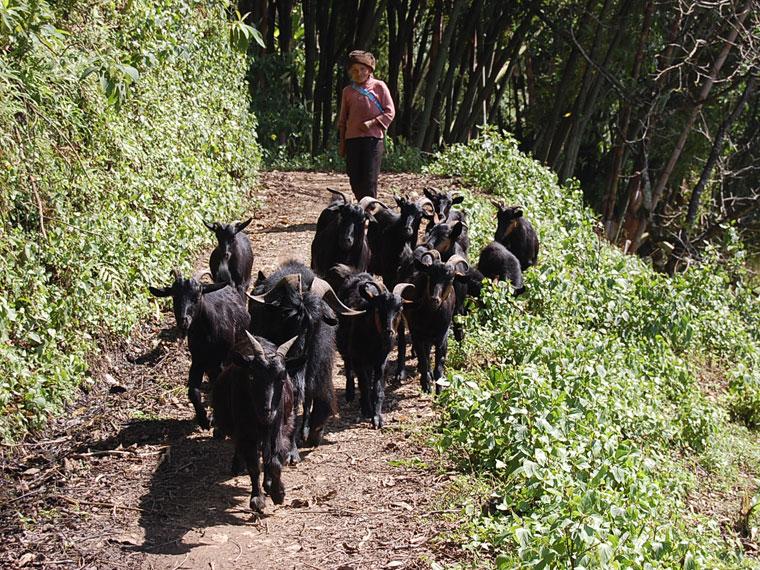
[429,315]
[341,235]
[365,341]
[391,232]
[253,403]
[445,238]
[442,202]
[213,317]
[516,233]
[232,258]
[293,302]
[497,262]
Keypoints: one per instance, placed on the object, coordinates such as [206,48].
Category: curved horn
[401,288]
[176,275]
[211,226]
[460,264]
[368,202]
[201,274]
[283,349]
[322,288]
[293,280]
[422,202]
[258,350]
[339,193]
[433,254]
[366,286]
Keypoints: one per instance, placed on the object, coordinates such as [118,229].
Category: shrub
[576,400]
[108,167]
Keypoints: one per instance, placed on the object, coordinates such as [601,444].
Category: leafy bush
[398,157]
[109,164]
[575,400]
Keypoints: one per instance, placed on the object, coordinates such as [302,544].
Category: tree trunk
[434,74]
[310,39]
[610,198]
[700,100]
[716,150]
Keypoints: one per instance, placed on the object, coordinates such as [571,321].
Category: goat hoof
[218,434]
[293,457]
[315,438]
[278,494]
[203,422]
[257,504]
[377,421]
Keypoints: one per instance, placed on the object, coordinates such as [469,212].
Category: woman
[366,111]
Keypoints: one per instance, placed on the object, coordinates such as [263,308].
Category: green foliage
[576,399]
[398,157]
[107,167]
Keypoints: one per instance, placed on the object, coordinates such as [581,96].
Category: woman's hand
[367,125]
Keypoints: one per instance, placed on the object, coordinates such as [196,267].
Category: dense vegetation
[120,130]
[578,404]
[654,106]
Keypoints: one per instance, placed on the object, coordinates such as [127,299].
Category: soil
[125,479]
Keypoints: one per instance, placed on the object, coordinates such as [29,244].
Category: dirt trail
[126,480]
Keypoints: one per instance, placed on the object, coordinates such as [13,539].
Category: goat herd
[270,352]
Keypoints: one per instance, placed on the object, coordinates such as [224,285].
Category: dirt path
[125,480]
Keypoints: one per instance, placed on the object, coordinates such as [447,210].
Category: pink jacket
[356,108]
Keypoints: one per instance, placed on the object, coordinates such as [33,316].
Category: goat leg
[194,393]
[378,396]
[250,451]
[349,382]
[308,403]
[401,363]
[423,364]
[273,477]
[440,357]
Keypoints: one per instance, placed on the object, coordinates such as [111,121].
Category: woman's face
[358,72]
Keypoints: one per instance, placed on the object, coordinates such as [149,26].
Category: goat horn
[285,347]
[366,289]
[401,288]
[339,193]
[322,288]
[433,254]
[258,350]
[456,261]
[211,226]
[293,280]
[176,275]
[368,202]
[424,201]
[201,274]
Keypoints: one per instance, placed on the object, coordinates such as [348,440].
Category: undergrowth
[578,401]
[121,127]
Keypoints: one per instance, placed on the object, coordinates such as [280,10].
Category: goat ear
[429,192]
[211,287]
[239,227]
[371,218]
[213,226]
[457,199]
[398,200]
[328,316]
[456,231]
[295,362]
[241,360]
[518,213]
[160,291]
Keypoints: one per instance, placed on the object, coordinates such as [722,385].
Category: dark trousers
[363,157]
